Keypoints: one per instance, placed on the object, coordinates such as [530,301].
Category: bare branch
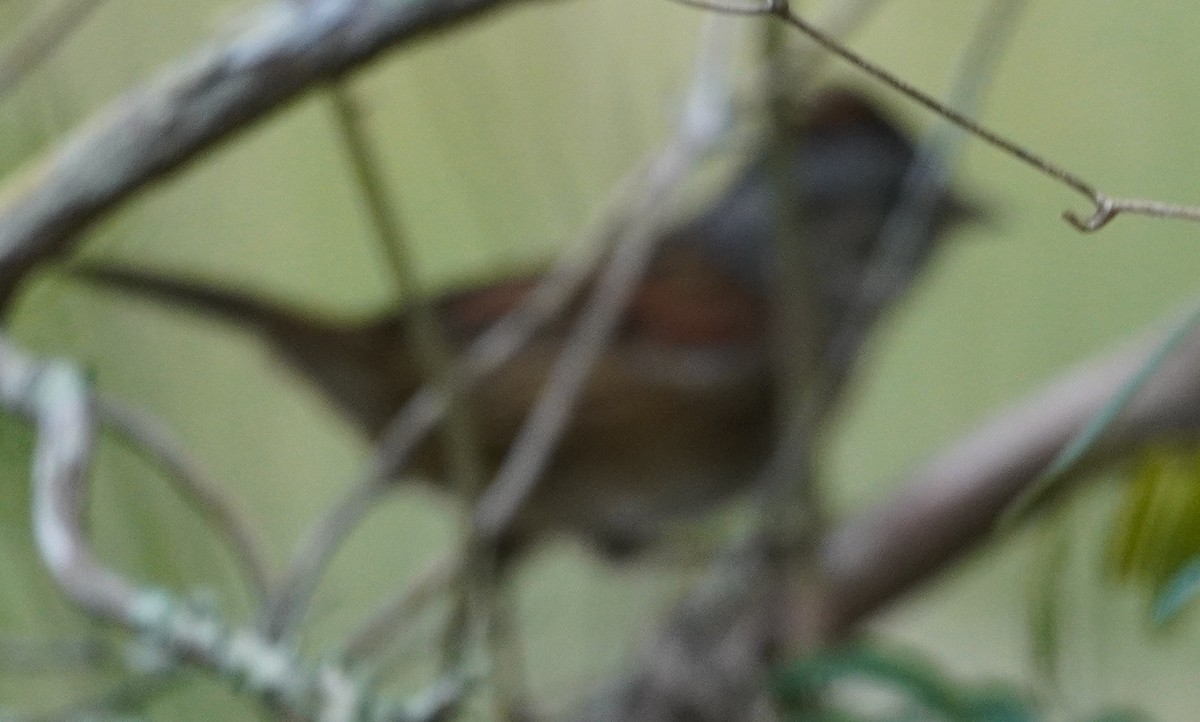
[55,395]
[60,403]
[312,553]
[150,437]
[699,127]
[903,240]
[954,501]
[156,129]
[1106,207]
[464,465]
[376,632]
[530,451]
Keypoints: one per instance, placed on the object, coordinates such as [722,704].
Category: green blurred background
[499,141]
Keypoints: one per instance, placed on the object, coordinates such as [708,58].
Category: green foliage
[870,684]
[1155,541]
[1046,598]
[1084,442]
[1177,593]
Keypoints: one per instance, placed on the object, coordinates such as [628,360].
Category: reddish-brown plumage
[677,414]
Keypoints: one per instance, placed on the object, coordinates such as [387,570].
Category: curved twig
[55,395]
[1106,207]
[312,553]
[150,437]
[376,632]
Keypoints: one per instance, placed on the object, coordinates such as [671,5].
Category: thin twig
[379,629]
[408,428]
[39,38]
[1106,207]
[464,466]
[956,500]
[38,656]
[791,504]
[531,450]
[62,406]
[911,224]
[1072,453]
[385,217]
[149,436]
[792,510]
[313,552]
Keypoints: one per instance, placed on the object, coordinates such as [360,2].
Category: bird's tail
[239,308]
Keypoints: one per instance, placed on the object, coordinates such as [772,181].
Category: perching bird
[677,415]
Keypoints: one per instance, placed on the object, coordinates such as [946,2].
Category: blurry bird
[677,414]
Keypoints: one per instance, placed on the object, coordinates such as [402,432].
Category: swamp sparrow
[677,414]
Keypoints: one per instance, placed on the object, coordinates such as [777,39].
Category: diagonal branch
[158,128]
[959,499]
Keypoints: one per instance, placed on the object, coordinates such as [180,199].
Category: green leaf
[1070,455]
[1155,542]
[1046,595]
[1001,705]
[1177,593]
[927,694]
[1120,716]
